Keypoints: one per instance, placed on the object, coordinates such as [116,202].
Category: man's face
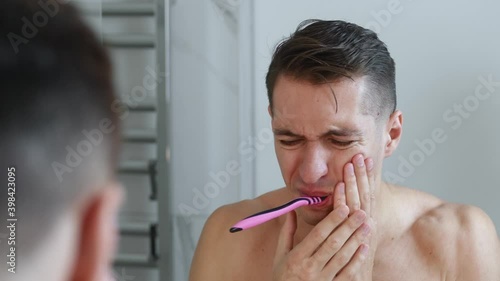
[313,141]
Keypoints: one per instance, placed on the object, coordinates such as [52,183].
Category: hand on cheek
[359,184]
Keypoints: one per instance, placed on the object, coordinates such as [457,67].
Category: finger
[337,241]
[285,239]
[339,196]
[351,188]
[355,264]
[362,182]
[322,231]
[345,255]
[371,179]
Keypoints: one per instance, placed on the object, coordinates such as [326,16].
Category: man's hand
[337,248]
[360,185]
[334,244]
[359,181]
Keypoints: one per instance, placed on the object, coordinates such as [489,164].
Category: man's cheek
[345,156]
[288,167]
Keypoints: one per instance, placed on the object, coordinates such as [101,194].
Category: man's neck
[385,212]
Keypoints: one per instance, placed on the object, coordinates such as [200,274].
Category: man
[336,82]
[58,147]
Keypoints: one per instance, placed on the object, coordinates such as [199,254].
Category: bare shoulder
[461,238]
[220,255]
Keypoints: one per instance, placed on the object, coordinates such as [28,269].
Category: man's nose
[314,164]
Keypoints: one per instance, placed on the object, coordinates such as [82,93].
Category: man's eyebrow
[343,132]
[286,132]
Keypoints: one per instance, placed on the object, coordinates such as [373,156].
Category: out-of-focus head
[60,137]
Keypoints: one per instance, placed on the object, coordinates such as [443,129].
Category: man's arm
[478,247]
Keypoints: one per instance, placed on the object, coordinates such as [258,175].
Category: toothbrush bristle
[316,199]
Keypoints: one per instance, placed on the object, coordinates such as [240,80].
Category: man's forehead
[291,94]
[302,108]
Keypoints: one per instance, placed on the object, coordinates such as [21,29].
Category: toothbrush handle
[270,214]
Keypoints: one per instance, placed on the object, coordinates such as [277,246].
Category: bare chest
[402,261]
[405,259]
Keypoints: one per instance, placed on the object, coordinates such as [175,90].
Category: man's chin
[313,217]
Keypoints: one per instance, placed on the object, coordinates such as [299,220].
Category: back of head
[324,51]
[59,132]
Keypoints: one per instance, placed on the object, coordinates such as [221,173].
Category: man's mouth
[325,197]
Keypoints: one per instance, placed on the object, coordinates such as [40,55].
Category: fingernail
[360,216]
[350,169]
[344,211]
[369,164]
[359,161]
[364,249]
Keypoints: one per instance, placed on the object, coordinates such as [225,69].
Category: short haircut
[323,51]
[57,94]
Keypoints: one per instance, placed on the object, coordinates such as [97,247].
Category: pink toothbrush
[270,214]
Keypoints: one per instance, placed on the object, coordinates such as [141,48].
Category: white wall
[204,96]
[204,77]
[441,49]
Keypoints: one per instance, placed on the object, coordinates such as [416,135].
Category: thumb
[285,240]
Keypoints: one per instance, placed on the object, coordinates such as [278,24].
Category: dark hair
[323,51]
[56,84]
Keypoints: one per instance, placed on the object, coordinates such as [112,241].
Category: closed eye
[289,142]
[341,143]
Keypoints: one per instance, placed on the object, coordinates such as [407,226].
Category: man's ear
[393,132]
[98,239]
[270,111]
